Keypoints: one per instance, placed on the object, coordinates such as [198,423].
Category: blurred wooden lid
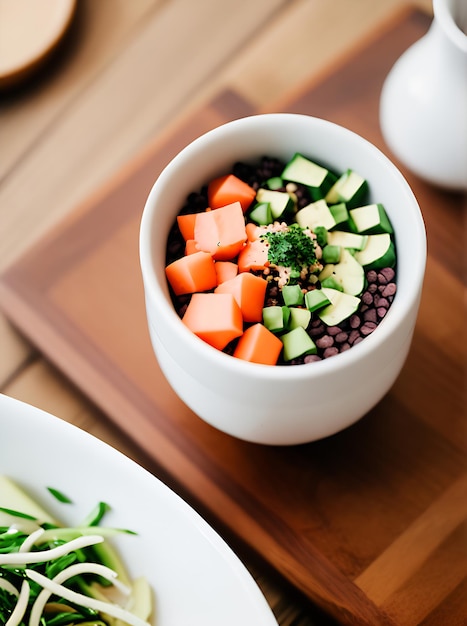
[29,31]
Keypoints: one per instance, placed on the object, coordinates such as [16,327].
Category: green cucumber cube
[350,188]
[348,273]
[316,299]
[342,306]
[315,214]
[275,183]
[370,219]
[281,202]
[285,315]
[276,318]
[379,252]
[331,254]
[293,295]
[299,317]
[297,342]
[302,170]
[347,240]
[261,213]
[340,214]
[331,282]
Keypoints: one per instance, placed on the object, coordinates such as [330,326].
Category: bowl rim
[155,293]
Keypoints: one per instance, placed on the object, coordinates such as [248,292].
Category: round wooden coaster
[29,32]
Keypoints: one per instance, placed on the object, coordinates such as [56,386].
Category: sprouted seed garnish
[52,575]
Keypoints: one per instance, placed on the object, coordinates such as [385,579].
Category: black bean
[389,290]
[341,337]
[311,358]
[355,321]
[367,328]
[326,341]
[330,352]
[370,315]
[389,273]
[316,331]
[384,302]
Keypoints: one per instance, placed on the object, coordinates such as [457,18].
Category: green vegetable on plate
[51,575]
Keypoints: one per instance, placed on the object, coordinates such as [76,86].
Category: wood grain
[361,523]
[99,124]
[85,53]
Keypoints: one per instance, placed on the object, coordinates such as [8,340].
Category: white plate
[196,578]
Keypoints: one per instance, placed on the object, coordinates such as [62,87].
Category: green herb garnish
[61,497]
[16,513]
[290,248]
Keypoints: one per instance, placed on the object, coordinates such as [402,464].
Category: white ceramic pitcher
[423,106]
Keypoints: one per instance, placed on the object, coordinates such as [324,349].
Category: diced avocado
[379,252]
[293,295]
[315,214]
[331,254]
[350,188]
[276,318]
[321,235]
[297,342]
[261,213]
[347,240]
[370,219]
[348,273]
[302,170]
[299,317]
[275,183]
[331,283]
[340,214]
[342,306]
[316,299]
[281,202]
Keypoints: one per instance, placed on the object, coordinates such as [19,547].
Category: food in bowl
[51,575]
[298,265]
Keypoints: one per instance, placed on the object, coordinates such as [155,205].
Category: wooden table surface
[127,72]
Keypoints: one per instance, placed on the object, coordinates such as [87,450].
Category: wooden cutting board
[370,524]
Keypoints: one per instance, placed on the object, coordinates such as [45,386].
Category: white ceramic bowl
[281,405]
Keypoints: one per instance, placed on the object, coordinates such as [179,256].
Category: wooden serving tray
[370,524]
